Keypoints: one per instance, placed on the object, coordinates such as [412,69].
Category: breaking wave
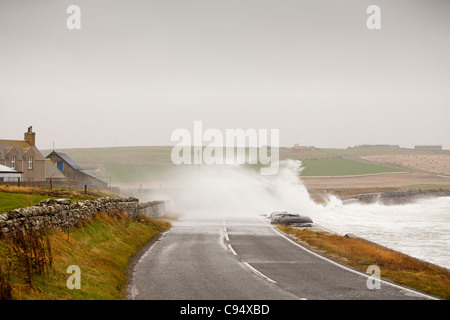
[420,229]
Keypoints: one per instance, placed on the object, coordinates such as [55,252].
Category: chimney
[30,136]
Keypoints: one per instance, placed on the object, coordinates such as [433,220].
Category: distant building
[74,172]
[428,147]
[23,156]
[297,147]
[21,159]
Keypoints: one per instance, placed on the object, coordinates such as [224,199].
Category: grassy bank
[11,201]
[12,197]
[394,265]
[101,247]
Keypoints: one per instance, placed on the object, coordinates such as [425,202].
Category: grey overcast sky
[139,69]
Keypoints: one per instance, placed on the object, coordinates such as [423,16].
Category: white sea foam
[420,229]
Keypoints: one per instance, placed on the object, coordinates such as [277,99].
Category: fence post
[85,189]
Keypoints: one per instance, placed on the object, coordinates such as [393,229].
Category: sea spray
[220,191]
[420,229]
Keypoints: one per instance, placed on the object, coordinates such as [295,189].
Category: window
[30,162]
[13,162]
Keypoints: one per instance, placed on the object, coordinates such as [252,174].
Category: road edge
[136,257]
[348,268]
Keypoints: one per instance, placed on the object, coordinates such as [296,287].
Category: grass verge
[101,247]
[11,201]
[12,197]
[359,254]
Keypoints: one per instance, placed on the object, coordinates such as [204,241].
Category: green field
[147,163]
[119,155]
[11,201]
[312,167]
[138,173]
[343,167]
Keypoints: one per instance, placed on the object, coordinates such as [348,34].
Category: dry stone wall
[62,214]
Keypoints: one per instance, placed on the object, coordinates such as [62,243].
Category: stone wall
[154,209]
[62,214]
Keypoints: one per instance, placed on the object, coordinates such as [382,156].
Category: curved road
[244,259]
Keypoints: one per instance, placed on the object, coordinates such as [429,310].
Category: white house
[9,174]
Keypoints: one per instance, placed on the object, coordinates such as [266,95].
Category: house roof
[15,143]
[52,171]
[94,177]
[21,146]
[5,169]
[70,162]
[66,159]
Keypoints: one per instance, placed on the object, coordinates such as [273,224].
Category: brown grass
[394,265]
[436,163]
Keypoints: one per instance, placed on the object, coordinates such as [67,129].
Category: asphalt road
[244,259]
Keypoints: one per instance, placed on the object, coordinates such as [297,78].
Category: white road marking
[226,237]
[232,250]
[258,272]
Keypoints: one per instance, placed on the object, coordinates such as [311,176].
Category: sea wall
[401,197]
[62,214]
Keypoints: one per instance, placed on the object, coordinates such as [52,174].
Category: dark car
[284,217]
[275,214]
